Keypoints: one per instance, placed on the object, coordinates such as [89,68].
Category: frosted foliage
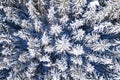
[63,44]
[59,39]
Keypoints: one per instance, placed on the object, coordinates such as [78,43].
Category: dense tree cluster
[59,39]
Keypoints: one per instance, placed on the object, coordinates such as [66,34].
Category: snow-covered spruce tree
[59,39]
